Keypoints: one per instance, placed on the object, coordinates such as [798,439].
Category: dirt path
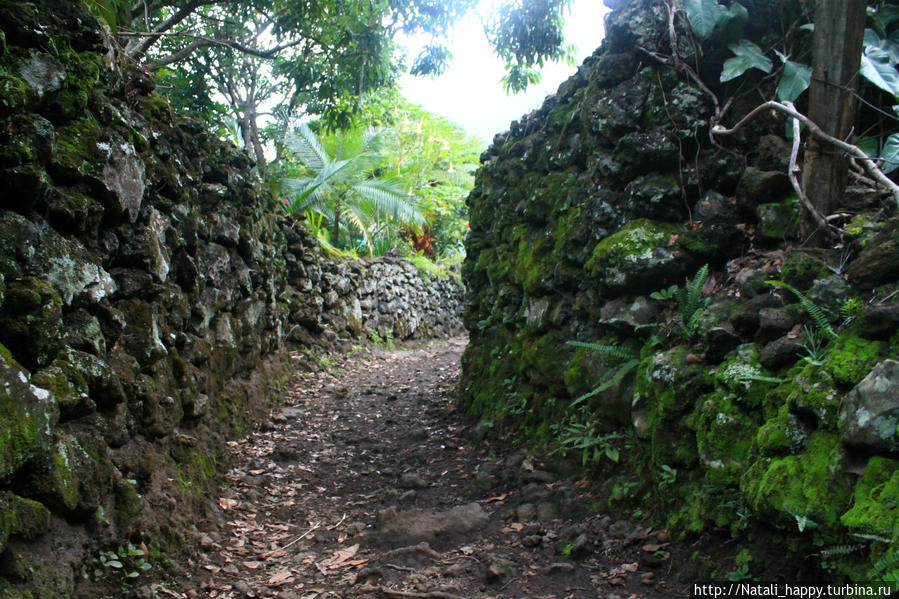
[369,485]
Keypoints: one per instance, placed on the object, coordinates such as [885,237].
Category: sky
[471,94]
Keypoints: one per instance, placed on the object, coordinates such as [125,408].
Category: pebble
[242,589]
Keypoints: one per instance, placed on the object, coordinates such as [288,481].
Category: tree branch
[205,42]
[868,163]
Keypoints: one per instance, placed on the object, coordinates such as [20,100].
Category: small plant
[130,561]
[886,568]
[691,305]
[592,444]
[851,309]
[818,338]
[631,361]
[668,476]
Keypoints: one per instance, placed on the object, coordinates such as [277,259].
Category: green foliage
[815,313]
[747,55]
[691,305]
[129,561]
[796,79]
[344,186]
[886,567]
[593,445]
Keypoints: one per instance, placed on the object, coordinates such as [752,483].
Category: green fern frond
[619,374]
[884,564]
[815,313]
[612,350]
[870,537]
[839,550]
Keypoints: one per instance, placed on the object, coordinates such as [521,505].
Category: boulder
[871,410]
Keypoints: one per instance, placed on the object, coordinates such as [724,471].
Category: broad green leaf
[795,79]
[890,45]
[808,27]
[868,145]
[748,56]
[734,22]
[883,17]
[877,68]
[890,154]
[704,16]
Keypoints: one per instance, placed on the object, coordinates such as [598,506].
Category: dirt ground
[368,484]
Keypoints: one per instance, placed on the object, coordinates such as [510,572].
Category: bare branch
[820,222]
[868,163]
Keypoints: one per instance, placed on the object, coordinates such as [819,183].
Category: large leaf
[308,148]
[877,68]
[883,17]
[704,16]
[890,44]
[733,24]
[890,154]
[795,79]
[748,56]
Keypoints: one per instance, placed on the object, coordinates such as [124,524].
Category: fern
[619,374]
[815,313]
[839,550]
[887,563]
[688,298]
[613,350]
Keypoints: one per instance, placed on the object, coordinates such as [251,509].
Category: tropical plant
[342,186]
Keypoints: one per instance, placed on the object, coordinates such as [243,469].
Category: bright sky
[470,92]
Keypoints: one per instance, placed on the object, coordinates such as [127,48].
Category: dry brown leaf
[340,557]
[501,497]
[280,577]
[256,472]
[671,240]
[252,565]
[226,503]
[650,548]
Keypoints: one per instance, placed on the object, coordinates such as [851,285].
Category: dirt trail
[368,484]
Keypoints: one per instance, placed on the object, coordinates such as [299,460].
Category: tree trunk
[335,230]
[837,47]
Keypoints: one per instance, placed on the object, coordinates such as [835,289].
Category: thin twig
[868,163]
[338,524]
[296,540]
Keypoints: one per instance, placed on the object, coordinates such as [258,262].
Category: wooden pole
[837,47]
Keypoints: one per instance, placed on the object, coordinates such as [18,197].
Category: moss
[13,93]
[779,220]
[68,387]
[801,269]
[810,390]
[740,374]
[725,433]
[76,146]
[875,508]
[20,516]
[634,242]
[798,489]
[22,426]
[852,358]
[57,482]
[707,507]
[781,435]
[82,74]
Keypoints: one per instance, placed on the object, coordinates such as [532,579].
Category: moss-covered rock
[806,490]
[19,516]
[642,256]
[31,320]
[875,505]
[779,220]
[871,410]
[801,269]
[852,358]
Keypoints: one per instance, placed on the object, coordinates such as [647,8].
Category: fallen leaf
[340,557]
[527,465]
[280,577]
[252,565]
[226,504]
[497,498]
[650,548]
[256,472]
[672,240]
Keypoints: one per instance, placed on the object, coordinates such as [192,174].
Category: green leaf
[877,68]
[704,16]
[868,145]
[748,56]
[114,563]
[795,79]
[890,154]
[883,17]
[734,22]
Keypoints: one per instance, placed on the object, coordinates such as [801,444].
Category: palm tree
[345,188]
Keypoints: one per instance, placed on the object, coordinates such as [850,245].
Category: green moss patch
[852,358]
[875,508]
[809,490]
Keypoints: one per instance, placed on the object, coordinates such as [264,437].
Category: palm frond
[390,200]
[308,148]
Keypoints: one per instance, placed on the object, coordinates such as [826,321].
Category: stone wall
[611,191]
[147,288]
